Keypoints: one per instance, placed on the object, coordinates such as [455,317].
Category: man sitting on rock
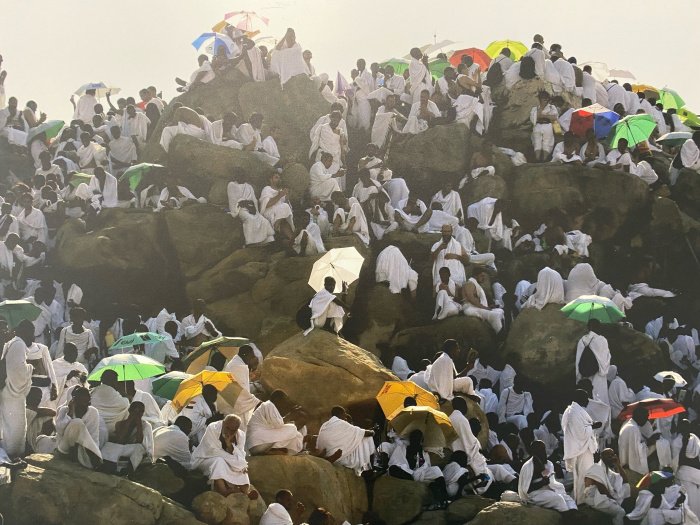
[78,429]
[271,433]
[221,457]
[257,230]
[441,375]
[475,302]
[281,512]
[197,327]
[132,438]
[607,486]
[111,405]
[345,443]
[172,445]
[201,410]
[537,485]
[327,308]
[515,404]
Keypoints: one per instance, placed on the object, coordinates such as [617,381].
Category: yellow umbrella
[435,425]
[642,88]
[192,387]
[393,393]
[517,49]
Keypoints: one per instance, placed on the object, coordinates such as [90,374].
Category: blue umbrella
[217,41]
[595,116]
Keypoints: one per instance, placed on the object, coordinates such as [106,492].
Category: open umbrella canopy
[16,311]
[246,21]
[214,41]
[201,357]
[665,374]
[675,138]
[645,88]
[634,128]
[50,128]
[392,395]
[670,99]
[101,89]
[437,67]
[192,387]
[138,338]
[688,117]
[166,385]
[595,117]
[435,425]
[621,74]
[658,408]
[653,477]
[129,367]
[76,179]
[599,70]
[587,307]
[343,264]
[478,55]
[517,49]
[399,64]
[134,174]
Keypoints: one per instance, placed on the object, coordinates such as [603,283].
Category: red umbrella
[658,408]
[479,55]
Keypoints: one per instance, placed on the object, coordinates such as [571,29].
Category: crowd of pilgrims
[533,454]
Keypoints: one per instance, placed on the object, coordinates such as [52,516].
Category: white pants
[484,259]
[13,423]
[135,452]
[543,138]
[494,317]
[604,504]
[578,467]
[334,312]
[445,306]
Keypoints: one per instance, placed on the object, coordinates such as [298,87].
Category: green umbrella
[16,311]
[78,178]
[399,64]
[587,307]
[138,338]
[166,385]
[670,99]
[437,67]
[634,128]
[688,117]
[129,367]
[135,173]
[50,128]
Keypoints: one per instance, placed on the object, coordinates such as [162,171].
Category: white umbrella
[343,264]
[680,382]
[101,89]
[599,70]
[621,74]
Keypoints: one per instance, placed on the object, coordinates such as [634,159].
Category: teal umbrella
[437,67]
[634,128]
[138,338]
[399,64]
[587,307]
[50,128]
[79,178]
[670,99]
[135,173]
[15,312]
[129,367]
[166,385]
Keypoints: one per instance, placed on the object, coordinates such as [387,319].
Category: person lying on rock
[284,511]
[345,443]
[132,439]
[272,433]
[221,457]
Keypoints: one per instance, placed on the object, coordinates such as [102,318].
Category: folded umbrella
[595,116]
[16,311]
[633,128]
[587,307]
[435,425]
[658,408]
[343,264]
[392,395]
[50,128]
[517,49]
[679,380]
[129,367]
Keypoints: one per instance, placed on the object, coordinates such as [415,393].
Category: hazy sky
[52,47]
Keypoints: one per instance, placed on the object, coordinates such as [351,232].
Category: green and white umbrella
[138,338]
[129,367]
[633,128]
[51,128]
[587,307]
[134,174]
[166,385]
[15,312]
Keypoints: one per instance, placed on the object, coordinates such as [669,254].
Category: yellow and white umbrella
[343,264]
[435,425]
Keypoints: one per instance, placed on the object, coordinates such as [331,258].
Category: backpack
[588,364]
[527,68]
[494,76]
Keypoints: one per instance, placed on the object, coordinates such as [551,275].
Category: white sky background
[50,47]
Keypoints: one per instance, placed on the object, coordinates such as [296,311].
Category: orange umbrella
[658,408]
[479,55]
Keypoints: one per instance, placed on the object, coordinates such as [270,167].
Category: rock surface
[235,509]
[399,501]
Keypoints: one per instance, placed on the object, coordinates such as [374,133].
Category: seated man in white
[240,367]
[257,230]
[567,151]
[475,302]
[111,405]
[515,405]
[185,122]
[489,212]
[151,409]
[249,135]
[344,443]
[448,252]
[239,189]
[272,430]
[172,444]
[620,158]
[220,456]
[274,205]
[447,296]
[201,410]
[327,308]
[537,484]
[284,511]
[607,486]
[173,197]
[393,268]
[441,375]
[449,200]
[78,429]
[309,240]
[225,131]
[422,114]
[634,447]
[197,324]
[323,176]
[132,438]
[202,75]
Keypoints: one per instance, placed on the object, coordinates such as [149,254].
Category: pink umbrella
[243,20]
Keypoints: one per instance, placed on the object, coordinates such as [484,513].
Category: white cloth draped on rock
[619,395]
[690,155]
[181,128]
[215,462]
[400,367]
[256,228]
[360,227]
[337,434]
[550,289]
[392,267]
[267,430]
